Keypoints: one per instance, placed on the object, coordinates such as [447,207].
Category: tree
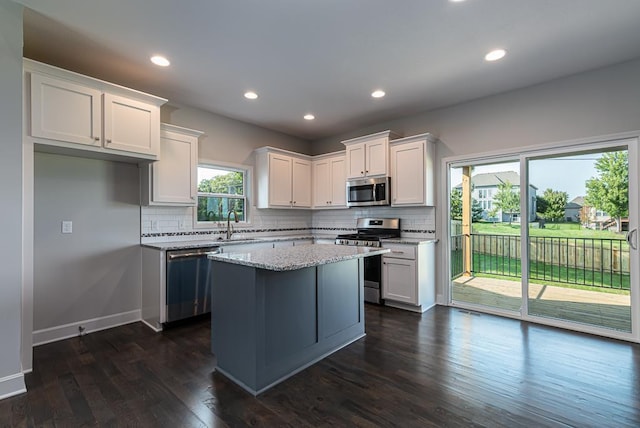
[214,208]
[456,207]
[553,204]
[493,214]
[507,200]
[477,212]
[609,191]
[456,204]
[541,206]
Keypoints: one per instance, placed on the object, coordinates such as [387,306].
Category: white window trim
[248,188]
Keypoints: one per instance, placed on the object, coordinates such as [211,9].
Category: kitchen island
[277,311]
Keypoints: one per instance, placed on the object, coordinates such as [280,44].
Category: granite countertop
[182,245]
[409,241]
[292,258]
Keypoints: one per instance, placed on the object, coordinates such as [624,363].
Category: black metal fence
[593,262]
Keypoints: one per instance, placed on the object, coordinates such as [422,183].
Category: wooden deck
[606,310]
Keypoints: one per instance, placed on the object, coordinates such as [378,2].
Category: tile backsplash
[176,223]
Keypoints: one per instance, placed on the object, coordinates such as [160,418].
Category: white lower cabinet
[399,277]
[408,276]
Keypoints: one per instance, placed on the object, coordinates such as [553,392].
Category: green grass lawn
[556,230]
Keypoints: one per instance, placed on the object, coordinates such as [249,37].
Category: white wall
[91,277]
[11,378]
[599,102]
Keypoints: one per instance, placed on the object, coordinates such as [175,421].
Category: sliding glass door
[549,236]
[485,235]
[578,257]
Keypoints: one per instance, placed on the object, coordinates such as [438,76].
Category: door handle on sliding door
[632,238]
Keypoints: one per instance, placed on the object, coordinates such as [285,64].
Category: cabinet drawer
[400,251]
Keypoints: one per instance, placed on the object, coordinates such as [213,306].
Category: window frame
[247,172]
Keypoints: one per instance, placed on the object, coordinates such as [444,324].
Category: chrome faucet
[229,225]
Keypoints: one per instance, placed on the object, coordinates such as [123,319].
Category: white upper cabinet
[301,182]
[412,172]
[172,181]
[329,178]
[283,179]
[73,111]
[65,111]
[368,156]
[131,125]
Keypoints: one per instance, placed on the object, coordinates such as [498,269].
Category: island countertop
[293,258]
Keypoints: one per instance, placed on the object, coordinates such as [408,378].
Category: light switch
[67,226]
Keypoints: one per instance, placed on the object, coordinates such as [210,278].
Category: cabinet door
[321,183]
[65,111]
[131,125]
[338,183]
[280,170]
[301,183]
[399,280]
[377,157]
[355,160]
[408,172]
[175,174]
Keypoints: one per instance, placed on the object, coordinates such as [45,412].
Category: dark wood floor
[445,368]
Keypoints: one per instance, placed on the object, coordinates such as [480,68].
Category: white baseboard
[156,329]
[53,334]
[407,307]
[12,385]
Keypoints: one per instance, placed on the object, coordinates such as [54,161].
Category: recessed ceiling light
[495,55]
[309,117]
[456,1]
[378,94]
[250,95]
[160,60]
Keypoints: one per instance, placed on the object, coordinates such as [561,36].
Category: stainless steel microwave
[368,191]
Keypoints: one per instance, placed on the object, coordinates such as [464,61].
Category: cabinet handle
[367,171]
[108,141]
[96,138]
[361,172]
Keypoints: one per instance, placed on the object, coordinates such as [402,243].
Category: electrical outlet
[181,224]
[154,225]
[67,226]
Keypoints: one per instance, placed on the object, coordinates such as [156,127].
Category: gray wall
[11,196]
[599,102]
[95,271]
[227,139]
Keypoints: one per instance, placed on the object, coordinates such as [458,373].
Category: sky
[567,174]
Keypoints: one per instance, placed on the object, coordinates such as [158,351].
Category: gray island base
[277,311]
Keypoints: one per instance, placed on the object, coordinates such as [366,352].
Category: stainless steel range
[370,232]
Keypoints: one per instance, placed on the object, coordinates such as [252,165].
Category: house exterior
[573,209]
[484,187]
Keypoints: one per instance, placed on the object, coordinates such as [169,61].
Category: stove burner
[370,232]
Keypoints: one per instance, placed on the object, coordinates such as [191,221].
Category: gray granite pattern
[409,241]
[183,245]
[292,258]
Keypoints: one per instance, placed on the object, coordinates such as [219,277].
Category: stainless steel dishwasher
[188,288]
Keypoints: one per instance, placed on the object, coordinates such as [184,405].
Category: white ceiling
[326,56]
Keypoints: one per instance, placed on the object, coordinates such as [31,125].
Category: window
[221,190]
